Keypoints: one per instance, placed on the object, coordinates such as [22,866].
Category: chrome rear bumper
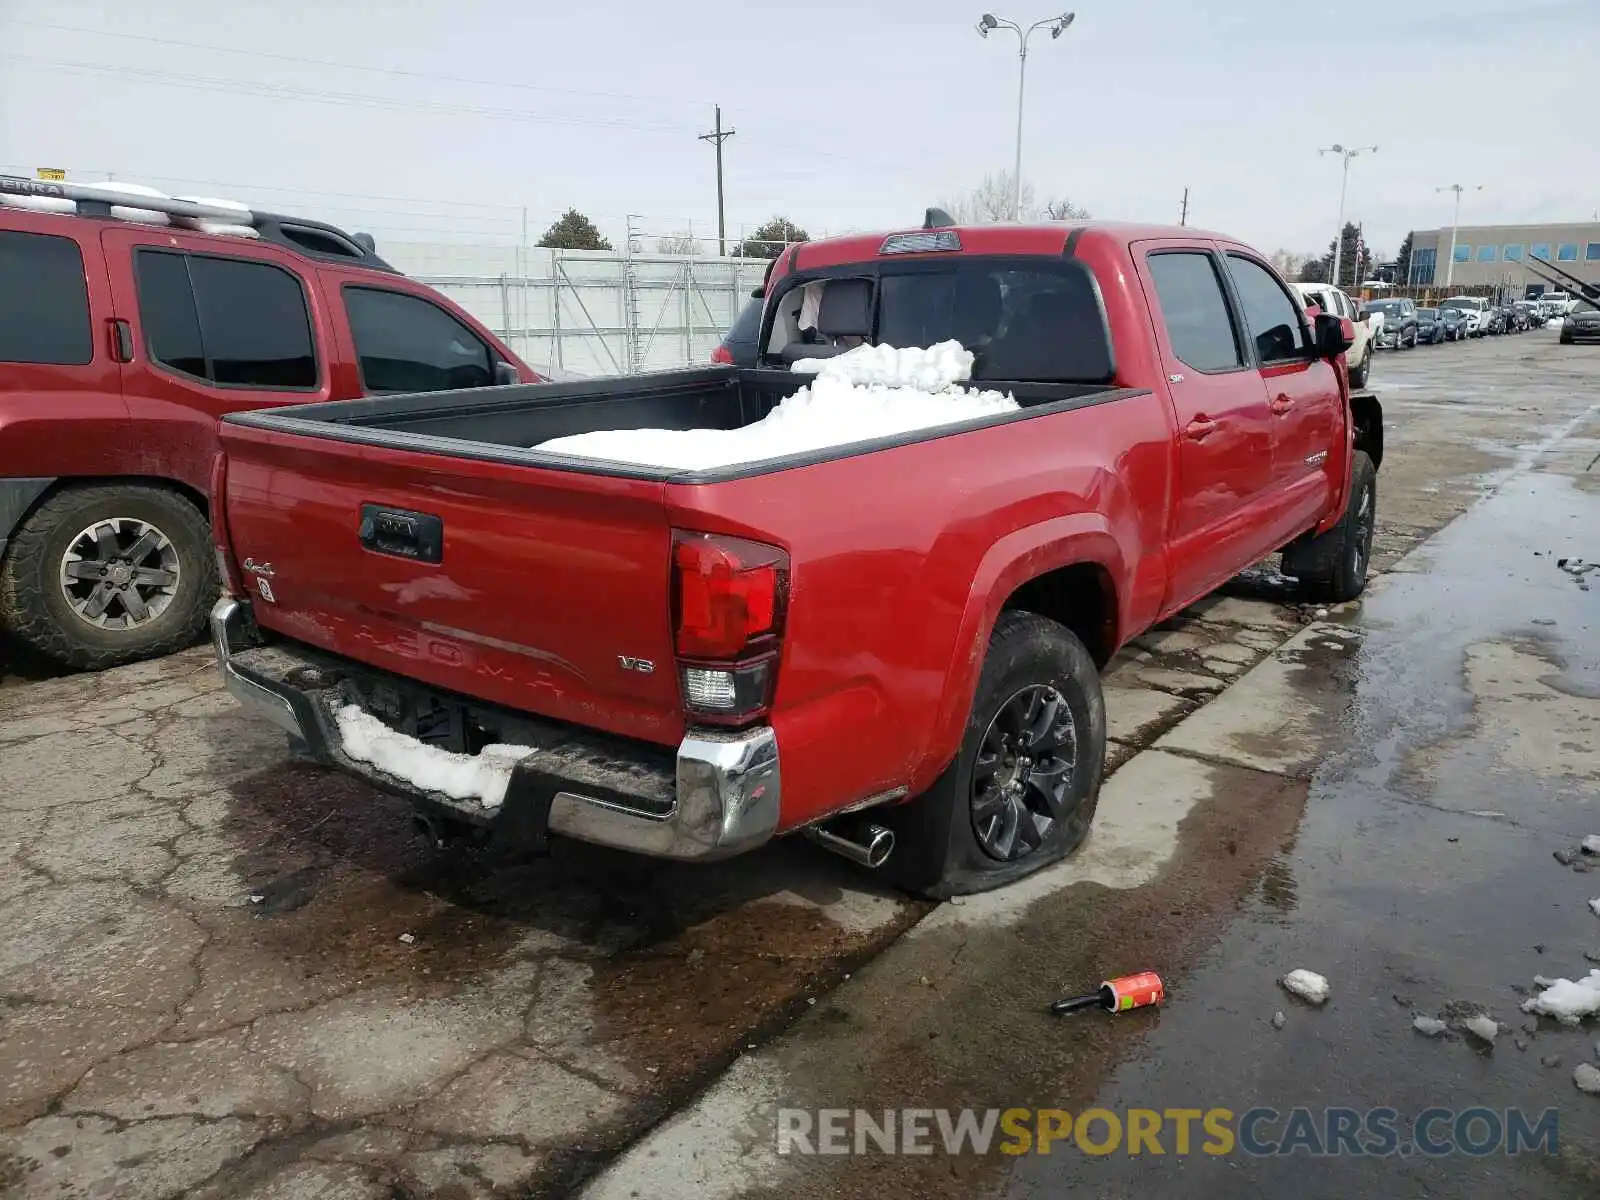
[723,797]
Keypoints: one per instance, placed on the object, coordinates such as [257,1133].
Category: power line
[341,99]
[300,60]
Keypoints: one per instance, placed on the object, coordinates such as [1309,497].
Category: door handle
[1281,403]
[1200,428]
[120,334]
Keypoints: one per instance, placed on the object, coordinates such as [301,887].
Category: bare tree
[1288,264]
[681,242]
[990,203]
[1062,209]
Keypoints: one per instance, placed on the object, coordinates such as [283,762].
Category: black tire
[34,602]
[939,851]
[1359,376]
[1332,567]
[1566,339]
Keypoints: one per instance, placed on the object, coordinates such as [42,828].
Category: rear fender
[1013,561]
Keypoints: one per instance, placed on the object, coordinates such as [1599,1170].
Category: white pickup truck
[1333,301]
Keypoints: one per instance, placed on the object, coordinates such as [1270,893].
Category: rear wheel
[109,574]
[1023,788]
[1332,567]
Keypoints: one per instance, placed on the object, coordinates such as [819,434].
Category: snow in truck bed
[868,392]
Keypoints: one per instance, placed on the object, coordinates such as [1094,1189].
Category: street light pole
[1344,186]
[1455,221]
[986,24]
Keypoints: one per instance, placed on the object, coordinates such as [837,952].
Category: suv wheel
[1332,567]
[1358,377]
[109,574]
[1025,783]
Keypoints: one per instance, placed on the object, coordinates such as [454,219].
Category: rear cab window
[405,343]
[229,322]
[1025,318]
[44,301]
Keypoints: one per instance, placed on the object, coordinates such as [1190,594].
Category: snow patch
[143,216]
[1484,1027]
[1594,906]
[1308,985]
[483,776]
[1566,1000]
[865,393]
[1587,1079]
[1591,844]
[225,228]
[1430,1026]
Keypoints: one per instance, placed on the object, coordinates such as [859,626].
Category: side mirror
[1335,335]
[505,373]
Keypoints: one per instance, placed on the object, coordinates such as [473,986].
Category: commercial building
[1498,255]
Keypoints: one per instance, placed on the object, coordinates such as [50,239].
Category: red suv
[122,341]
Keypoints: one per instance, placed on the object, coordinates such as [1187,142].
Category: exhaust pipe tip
[866,846]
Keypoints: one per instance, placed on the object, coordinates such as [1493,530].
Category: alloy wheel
[1022,778]
[119,573]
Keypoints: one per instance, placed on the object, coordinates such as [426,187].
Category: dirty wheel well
[1081,597]
[193,496]
[1368,416]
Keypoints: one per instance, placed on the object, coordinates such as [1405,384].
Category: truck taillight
[729,597]
[722,355]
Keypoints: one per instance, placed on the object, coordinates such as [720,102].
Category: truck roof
[1045,237]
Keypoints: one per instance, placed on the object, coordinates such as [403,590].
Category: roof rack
[315,239]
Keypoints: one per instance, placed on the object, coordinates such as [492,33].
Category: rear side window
[748,325]
[407,344]
[44,301]
[225,320]
[1272,318]
[1195,311]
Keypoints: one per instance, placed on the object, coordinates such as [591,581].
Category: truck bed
[506,424]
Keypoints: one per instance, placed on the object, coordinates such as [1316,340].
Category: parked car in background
[1477,310]
[1400,331]
[1338,303]
[1457,324]
[128,326]
[1516,319]
[739,346]
[1430,326]
[1582,324]
[1529,313]
[730,652]
[1494,321]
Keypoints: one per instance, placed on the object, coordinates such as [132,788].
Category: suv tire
[1358,377]
[1024,786]
[108,574]
[1332,567]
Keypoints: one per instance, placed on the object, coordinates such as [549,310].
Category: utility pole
[1450,263]
[1347,155]
[716,137]
[1183,219]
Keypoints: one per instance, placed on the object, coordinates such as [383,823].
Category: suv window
[44,301]
[228,321]
[407,344]
[1270,314]
[1194,310]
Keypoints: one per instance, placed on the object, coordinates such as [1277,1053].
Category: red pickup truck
[891,645]
[121,343]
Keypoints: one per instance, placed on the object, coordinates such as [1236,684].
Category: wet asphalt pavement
[204,990]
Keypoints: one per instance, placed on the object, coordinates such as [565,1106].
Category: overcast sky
[852,116]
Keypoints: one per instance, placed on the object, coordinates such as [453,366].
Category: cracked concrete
[203,990]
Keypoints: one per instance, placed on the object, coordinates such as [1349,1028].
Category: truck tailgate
[549,592]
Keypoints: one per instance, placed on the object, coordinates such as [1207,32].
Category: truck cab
[130,324]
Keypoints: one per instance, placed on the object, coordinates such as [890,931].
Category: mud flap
[525,812]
